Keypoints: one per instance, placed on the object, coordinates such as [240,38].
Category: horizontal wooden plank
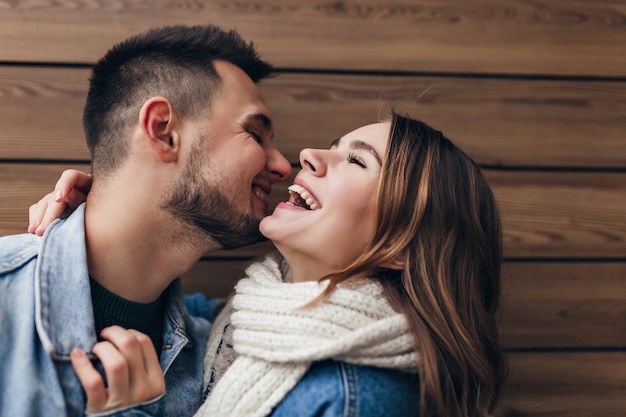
[561,384]
[41,113]
[572,37]
[545,214]
[561,214]
[215,278]
[527,123]
[557,305]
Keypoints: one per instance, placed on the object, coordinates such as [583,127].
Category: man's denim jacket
[46,311]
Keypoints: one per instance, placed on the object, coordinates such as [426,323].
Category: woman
[385,296]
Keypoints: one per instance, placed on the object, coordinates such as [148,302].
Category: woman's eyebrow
[359,144]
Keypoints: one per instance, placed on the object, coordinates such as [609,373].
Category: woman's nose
[312,160]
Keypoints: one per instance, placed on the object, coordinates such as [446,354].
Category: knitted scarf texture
[276,338]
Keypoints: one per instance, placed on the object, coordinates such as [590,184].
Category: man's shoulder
[16,250]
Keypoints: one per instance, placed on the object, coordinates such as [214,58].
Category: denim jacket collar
[63,294]
[62,291]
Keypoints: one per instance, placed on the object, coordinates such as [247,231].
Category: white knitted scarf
[275,339]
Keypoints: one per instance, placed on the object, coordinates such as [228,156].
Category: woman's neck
[304,268]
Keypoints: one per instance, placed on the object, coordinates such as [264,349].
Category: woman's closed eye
[353,159]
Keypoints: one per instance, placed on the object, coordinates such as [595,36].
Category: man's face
[231,166]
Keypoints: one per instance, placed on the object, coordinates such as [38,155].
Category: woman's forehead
[375,134]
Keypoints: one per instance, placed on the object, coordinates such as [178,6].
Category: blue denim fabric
[338,389]
[46,311]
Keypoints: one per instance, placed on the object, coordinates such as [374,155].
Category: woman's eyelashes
[353,159]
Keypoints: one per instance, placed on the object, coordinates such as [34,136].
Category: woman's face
[330,216]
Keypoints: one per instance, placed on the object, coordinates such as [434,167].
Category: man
[182,161]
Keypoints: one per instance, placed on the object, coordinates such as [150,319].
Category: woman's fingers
[131,366]
[72,179]
[116,368]
[70,191]
[150,373]
[144,370]
[36,212]
[91,380]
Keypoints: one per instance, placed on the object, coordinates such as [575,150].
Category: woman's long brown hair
[436,213]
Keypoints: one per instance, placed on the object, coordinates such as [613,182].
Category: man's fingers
[91,380]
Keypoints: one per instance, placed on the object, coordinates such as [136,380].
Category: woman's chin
[268,227]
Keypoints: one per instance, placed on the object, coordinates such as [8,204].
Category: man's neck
[133,252]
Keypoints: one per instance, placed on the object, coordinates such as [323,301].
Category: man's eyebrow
[265,121]
[359,144]
[260,117]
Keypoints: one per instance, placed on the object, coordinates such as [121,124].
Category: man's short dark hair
[175,62]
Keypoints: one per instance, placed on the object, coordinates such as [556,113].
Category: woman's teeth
[300,197]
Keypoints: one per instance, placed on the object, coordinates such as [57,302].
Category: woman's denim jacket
[338,389]
[46,311]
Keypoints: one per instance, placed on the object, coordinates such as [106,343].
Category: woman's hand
[132,370]
[70,191]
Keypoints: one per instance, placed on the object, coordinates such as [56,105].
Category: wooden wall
[534,90]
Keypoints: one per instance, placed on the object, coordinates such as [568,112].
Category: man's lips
[260,194]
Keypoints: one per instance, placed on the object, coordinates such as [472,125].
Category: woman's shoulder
[332,389]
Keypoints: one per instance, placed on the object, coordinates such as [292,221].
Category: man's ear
[157,120]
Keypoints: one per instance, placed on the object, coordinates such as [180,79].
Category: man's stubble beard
[207,208]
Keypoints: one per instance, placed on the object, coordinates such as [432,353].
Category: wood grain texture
[560,384]
[499,122]
[572,37]
[561,214]
[561,305]
[41,113]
